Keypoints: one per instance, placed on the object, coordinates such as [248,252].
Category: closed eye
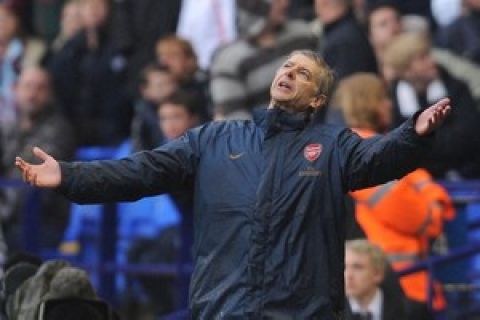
[305,73]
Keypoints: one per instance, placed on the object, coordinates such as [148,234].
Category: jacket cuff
[66,170]
[410,134]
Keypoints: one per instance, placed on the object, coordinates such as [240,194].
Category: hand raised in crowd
[46,174]
[433,117]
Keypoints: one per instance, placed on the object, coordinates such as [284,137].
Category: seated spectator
[16,52]
[178,55]
[242,71]
[89,75]
[403,216]
[38,124]
[461,36]
[156,84]
[420,81]
[364,272]
[344,45]
[71,24]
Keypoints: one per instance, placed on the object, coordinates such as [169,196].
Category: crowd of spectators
[83,73]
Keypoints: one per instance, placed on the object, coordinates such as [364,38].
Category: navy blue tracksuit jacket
[268,208]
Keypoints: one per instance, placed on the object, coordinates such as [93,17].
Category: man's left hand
[432,117]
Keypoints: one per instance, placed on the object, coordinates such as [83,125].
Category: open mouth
[284,85]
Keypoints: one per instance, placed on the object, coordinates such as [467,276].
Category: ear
[318,101]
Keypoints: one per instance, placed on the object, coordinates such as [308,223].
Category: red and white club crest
[312,151]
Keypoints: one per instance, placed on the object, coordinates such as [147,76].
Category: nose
[290,74]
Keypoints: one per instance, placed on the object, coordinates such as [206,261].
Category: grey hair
[325,81]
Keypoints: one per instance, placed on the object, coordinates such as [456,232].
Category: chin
[281,98]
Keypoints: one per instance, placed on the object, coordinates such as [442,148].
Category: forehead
[172,107]
[304,61]
[169,46]
[357,257]
[383,12]
[33,76]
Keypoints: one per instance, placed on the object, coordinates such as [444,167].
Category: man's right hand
[46,174]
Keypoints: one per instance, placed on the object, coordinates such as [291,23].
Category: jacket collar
[275,120]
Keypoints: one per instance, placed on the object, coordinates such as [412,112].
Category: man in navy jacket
[269,210]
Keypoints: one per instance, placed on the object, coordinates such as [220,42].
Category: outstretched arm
[142,174]
[369,162]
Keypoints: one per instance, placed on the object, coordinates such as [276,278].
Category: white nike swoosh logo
[234,156]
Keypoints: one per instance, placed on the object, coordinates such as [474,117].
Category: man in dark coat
[269,206]
[420,81]
[89,75]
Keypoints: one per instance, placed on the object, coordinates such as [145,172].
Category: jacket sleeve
[165,169]
[369,162]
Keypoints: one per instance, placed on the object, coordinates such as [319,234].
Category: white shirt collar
[374,307]
[407,97]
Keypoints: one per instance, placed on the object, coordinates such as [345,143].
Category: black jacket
[90,89]
[346,48]
[268,208]
[393,308]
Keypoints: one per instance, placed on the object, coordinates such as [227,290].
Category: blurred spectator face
[175,120]
[278,12]
[158,86]
[384,25]
[422,69]
[71,21]
[172,54]
[361,277]
[32,92]
[8,24]
[94,13]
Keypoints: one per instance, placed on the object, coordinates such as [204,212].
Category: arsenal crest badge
[312,151]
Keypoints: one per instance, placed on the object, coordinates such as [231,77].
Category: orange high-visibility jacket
[401,217]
